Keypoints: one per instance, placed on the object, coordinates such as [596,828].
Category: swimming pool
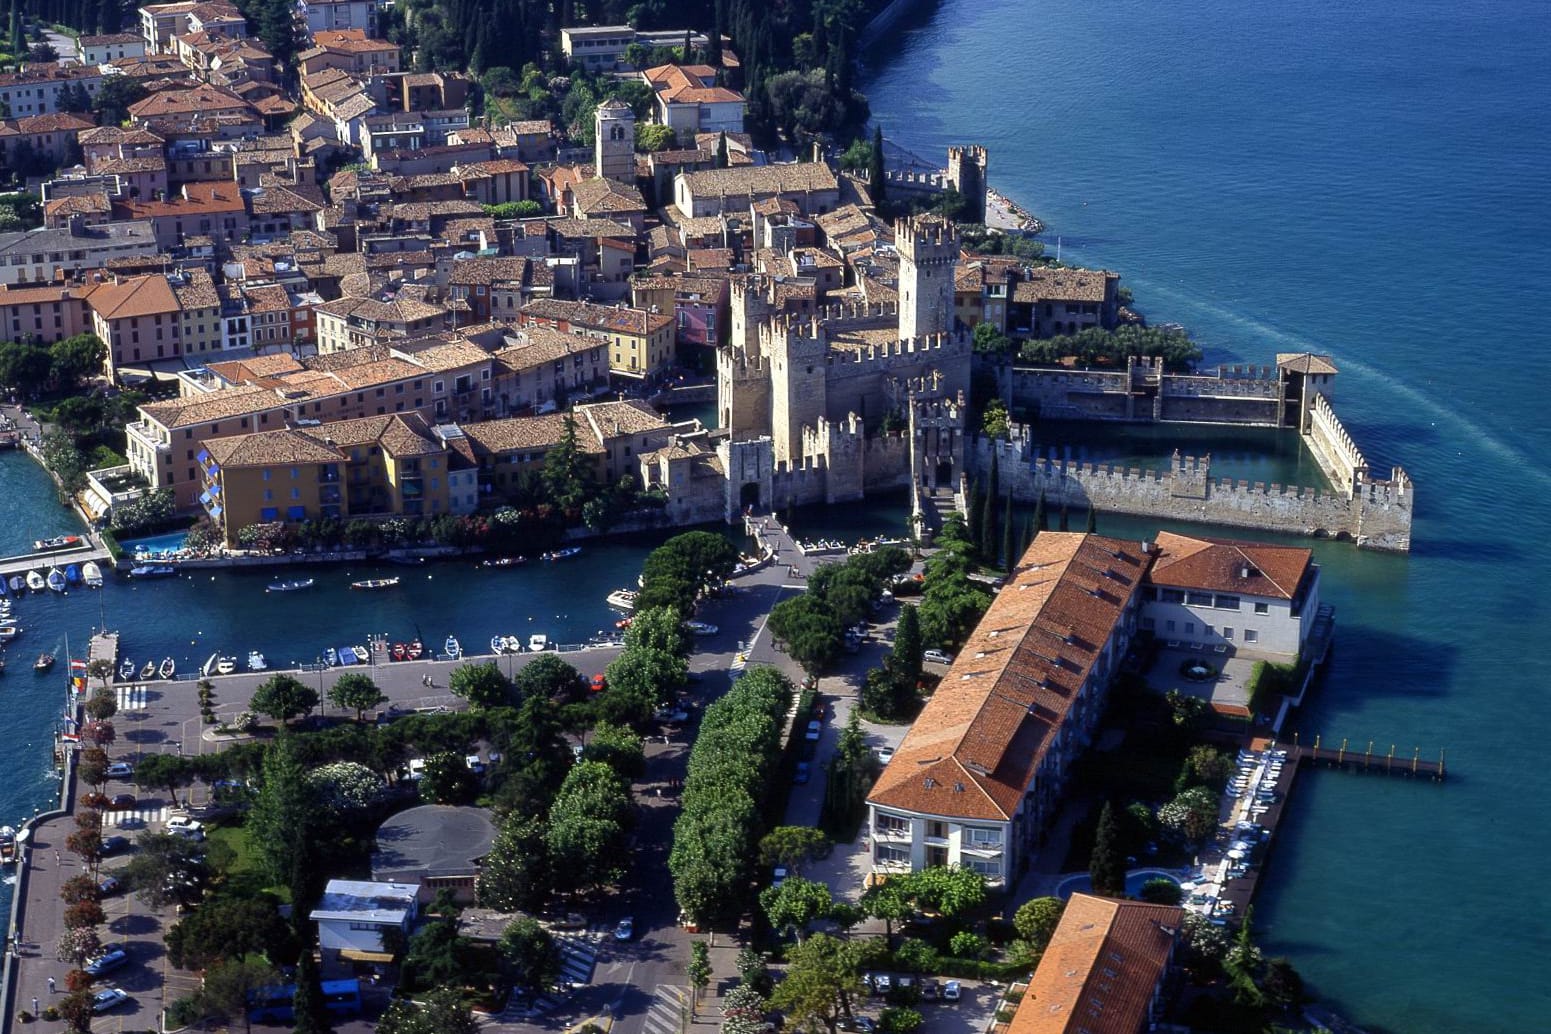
[171,540]
[1081,883]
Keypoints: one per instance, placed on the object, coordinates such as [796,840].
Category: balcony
[892,834]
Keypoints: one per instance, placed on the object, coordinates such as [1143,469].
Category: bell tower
[614,141]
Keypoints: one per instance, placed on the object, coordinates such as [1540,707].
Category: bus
[276,1004]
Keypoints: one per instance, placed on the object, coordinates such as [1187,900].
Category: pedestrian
[34,1006]
[56,858]
[50,985]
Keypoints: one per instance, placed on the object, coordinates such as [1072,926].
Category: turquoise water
[1135,881]
[28,510]
[172,540]
[1358,179]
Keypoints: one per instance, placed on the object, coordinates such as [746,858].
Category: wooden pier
[104,646]
[60,558]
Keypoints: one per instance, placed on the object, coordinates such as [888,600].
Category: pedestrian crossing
[133,818]
[578,957]
[670,1004]
[131,698]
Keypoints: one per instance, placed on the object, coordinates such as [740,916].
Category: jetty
[103,647]
[89,549]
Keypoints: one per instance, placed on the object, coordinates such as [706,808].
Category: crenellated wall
[1376,515]
[1144,393]
[1339,456]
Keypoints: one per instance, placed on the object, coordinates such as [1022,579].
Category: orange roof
[198,97]
[978,741]
[208,197]
[1224,565]
[1100,970]
[147,295]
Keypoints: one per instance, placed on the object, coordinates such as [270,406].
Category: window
[266,473]
[1251,636]
[893,824]
[1168,626]
[296,493]
[1199,599]
[1262,608]
[984,866]
[269,496]
[1227,631]
[1227,602]
[1173,596]
[893,853]
[1190,628]
[983,837]
[295,473]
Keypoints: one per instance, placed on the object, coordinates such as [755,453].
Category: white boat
[452,648]
[563,554]
[56,579]
[538,642]
[498,644]
[256,661]
[622,599]
[362,656]
[168,668]
[9,632]
[209,666]
[293,586]
[92,573]
[375,583]
[226,665]
[331,657]
[35,581]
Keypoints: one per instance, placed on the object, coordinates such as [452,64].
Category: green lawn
[242,875]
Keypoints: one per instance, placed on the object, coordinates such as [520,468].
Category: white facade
[323,15]
[99,50]
[1249,624]
[353,914]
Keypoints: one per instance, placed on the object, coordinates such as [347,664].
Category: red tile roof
[1225,565]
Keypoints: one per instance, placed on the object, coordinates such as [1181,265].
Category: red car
[599,683]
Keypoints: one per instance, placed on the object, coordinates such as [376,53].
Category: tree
[482,685]
[809,630]
[1036,921]
[989,539]
[994,422]
[227,928]
[228,984]
[905,658]
[795,904]
[312,1016]
[792,847]
[550,677]
[114,98]
[99,734]
[1161,891]
[515,876]
[346,787]
[975,520]
[651,137]
[619,748]
[76,1010]
[355,692]
[877,179]
[283,697]
[1009,543]
[447,779]
[442,1011]
[1192,814]
[822,976]
[566,476]
[76,358]
[588,825]
[698,971]
[1106,866]
[42,54]
[92,769]
[103,705]
[532,957]
[437,956]
[164,772]
[721,150]
[77,945]
[84,913]
[24,367]
[949,890]
[101,669]
[164,869]
[889,903]
[286,825]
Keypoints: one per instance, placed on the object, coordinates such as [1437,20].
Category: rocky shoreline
[1007,215]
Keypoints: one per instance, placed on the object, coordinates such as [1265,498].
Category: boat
[56,579]
[153,571]
[505,561]
[209,666]
[538,642]
[375,583]
[452,648]
[291,586]
[416,650]
[256,661]
[92,574]
[35,581]
[126,671]
[72,575]
[399,652]
[331,657]
[7,845]
[9,632]
[505,644]
[226,665]
[346,655]
[623,599]
[18,583]
[168,669]
[563,554]
[362,655]
[147,671]
[44,662]
[57,542]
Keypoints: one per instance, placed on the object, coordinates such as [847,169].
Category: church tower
[614,141]
[928,249]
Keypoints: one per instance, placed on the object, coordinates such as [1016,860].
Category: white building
[323,15]
[1259,600]
[689,101]
[99,50]
[353,915]
[601,48]
[980,772]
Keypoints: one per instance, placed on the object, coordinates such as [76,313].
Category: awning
[357,955]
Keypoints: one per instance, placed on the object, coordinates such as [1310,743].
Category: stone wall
[1377,515]
[1339,456]
[1143,393]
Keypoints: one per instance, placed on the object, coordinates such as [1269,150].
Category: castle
[823,409]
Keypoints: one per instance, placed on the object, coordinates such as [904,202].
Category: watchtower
[928,249]
[614,141]
[967,175]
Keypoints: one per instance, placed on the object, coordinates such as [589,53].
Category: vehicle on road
[108,999]
[109,885]
[122,801]
[937,657]
[801,773]
[701,628]
[183,826]
[120,770]
[113,844]
[951,991]
[877,983]
[815,729]
[599,682]
[885,753]
[111,957]
[624,930]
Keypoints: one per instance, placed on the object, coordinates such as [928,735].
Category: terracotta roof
[58,122]
[761,180]
[1225,565]
[602,317]
[1100,970]
[135,296]
[110,39]
[1305,362]
[351,41]
[631,416]
[525,433]
[216,405]
[202,197]
[126,166]
[590,228]
[689,84]
[533,346]
[197,97]
[1078,285]
[977,743]
[78,204]
[266,448]
[603,195]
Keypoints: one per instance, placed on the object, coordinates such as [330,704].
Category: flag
[78,668]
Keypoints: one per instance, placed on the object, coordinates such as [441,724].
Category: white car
[120,770]
[109,998]
[951,991]
[937,657]
[624,930]
[183,826]
[885,753]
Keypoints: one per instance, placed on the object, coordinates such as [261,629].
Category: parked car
[885,753]
[881,983]
[120,770]
[108,999]
[930,991]
[183,826]
[778,876]
[815,729]
[951,991]
[567,921]
[624,930]
[112,956]
[801,773]
[937,657]
[861,1024]
[122,802]
[114,844]
[109,885]
[599,683]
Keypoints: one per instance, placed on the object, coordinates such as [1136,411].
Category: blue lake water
[1358,179]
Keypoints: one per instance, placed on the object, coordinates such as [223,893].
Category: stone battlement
[1337,453]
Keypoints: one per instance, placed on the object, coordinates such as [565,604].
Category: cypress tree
[906,658]
[976,505]
[876,179]
[989,539]
[1066,523]
[689,44]
[716,34]
[1040,523]
[1106,866]
[311,1015]
[1093,519]
[721,150]
[1009,543]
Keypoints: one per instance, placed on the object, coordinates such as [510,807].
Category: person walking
[51,985]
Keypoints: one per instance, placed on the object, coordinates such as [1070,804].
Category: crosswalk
[578,957]
[134,818]
[669,1005]
[131,698]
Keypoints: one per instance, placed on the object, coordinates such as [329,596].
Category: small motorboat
[72,575]
[700,628]
[92,574]
[416,650]
[375,583]
[56,579]
[44,662]
[226,665]
[9,632]
[622,599]
[256,661]
[399,652]
[147,671]
[36,581]
[18,583]
[57,542]
[331,657]
[498,644]
[126,671]
[505,561]
[168,669]
[563,554]
[291,586]
[362,655]
[452,648]
[538,642]
[346,655]
[210,665]
[153,571]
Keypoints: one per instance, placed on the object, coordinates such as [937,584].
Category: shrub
[968,945]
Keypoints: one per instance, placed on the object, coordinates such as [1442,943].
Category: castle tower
[613,147]
[928,248]
[796,353]
[967,175]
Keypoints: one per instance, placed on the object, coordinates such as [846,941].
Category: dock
[104,646]
[61,558]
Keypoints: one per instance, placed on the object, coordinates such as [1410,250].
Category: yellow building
[640,342]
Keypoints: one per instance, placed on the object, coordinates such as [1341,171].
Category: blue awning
[268,513]
[215,511]
[204,497]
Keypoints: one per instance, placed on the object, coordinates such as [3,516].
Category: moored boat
[126,671]
[375,583]
[452,648]
[416,650]
[56,579]
[256,661]
[563,554]
[331,657]
[44,662]
[209,666]
[18,583]
[622,599]
[400,652]
[153,571]
[538,642]
[36,581]
[92,574]
[9,632]
[505,561]
[72,575]
[168,669]
[7,845]
[226,665]
[57,542]
[148,670]
[346,655]
[291,586]
[362,655]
